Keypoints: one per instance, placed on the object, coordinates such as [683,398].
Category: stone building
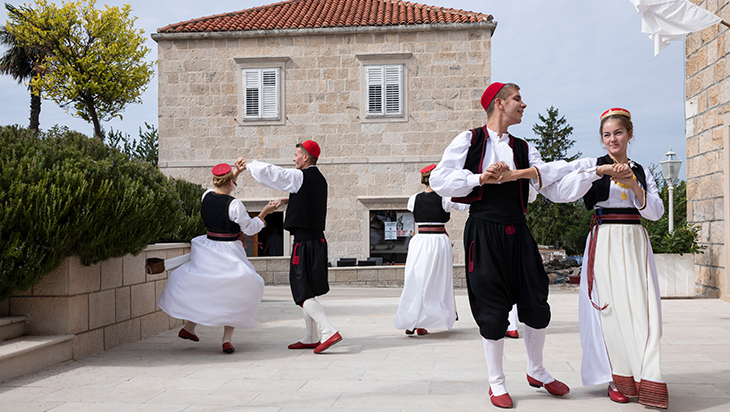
[708,138]
[383,86]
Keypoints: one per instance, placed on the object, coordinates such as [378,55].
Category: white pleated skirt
[623,339]
[427,300]
[217,287]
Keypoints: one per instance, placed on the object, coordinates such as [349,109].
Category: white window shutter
[270,92]
[261,98]
[252,93]
[374,79]
[393,90]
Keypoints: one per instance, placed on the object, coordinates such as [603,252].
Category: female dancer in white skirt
[619,302]
[427,300]
[218,286]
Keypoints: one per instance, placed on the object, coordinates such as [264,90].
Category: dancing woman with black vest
[427,300]
[218,286]
[619,304]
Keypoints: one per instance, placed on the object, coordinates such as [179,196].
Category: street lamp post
[670,171]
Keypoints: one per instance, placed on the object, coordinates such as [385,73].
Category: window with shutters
[261,94]
[384,90]
[384,87]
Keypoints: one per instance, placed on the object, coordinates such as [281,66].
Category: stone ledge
[12,327]
[122,312]
[31,353]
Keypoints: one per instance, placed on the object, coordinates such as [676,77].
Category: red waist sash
[597,220]
[229,237]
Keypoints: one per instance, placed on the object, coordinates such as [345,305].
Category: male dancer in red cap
[492,170]
[305,220]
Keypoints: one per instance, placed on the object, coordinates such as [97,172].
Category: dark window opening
[390,233]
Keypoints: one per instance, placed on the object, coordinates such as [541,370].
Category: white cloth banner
[668,20]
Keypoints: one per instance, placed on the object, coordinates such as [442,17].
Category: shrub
[190,223]
[63,194]
[684,237]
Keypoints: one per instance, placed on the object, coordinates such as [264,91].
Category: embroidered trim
[653,394]
[643,206]
[295,257]
[539,178]
[626,385]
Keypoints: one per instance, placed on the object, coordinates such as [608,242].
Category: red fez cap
[615,110]
[221,169]
[489,94]
[312,148]
[427,170]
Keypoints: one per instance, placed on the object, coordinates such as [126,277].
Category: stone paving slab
[375,367]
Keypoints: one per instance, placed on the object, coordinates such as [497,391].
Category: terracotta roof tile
[299,14]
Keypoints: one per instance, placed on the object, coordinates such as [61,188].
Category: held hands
[494,173]
[270,207]
[241,164]
[279,202]
[619,172]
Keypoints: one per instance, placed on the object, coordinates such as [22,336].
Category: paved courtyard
[375,367]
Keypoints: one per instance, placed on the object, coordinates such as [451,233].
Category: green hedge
[684,237]
[63,194]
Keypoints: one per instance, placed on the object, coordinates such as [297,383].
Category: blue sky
[579,56]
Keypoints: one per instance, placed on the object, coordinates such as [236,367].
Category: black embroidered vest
[428,208]
[601,188]
[307,208]
[501,203]
[214,211]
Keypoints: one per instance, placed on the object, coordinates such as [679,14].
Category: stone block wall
[707,122]
[200,125]
[382,276]
[104,305]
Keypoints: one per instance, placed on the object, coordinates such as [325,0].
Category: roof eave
[218,35]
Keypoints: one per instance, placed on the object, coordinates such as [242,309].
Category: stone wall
[447,68]
[275,271]
[707,123]
[104,305]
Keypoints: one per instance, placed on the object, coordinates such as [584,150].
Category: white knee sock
[316,311]
[513,319]
[494,352]
[534,343]
[311,335]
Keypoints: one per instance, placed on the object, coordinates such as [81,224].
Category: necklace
[622,185]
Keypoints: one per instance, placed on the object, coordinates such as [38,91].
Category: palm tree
[23,63]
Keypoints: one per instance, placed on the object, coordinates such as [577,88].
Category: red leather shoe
[410,331]
[512,334]
[421,331]
[228,348]
[555,387]
[329,342]
[187,335]
[300,345]
[501,401]
[616,396]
